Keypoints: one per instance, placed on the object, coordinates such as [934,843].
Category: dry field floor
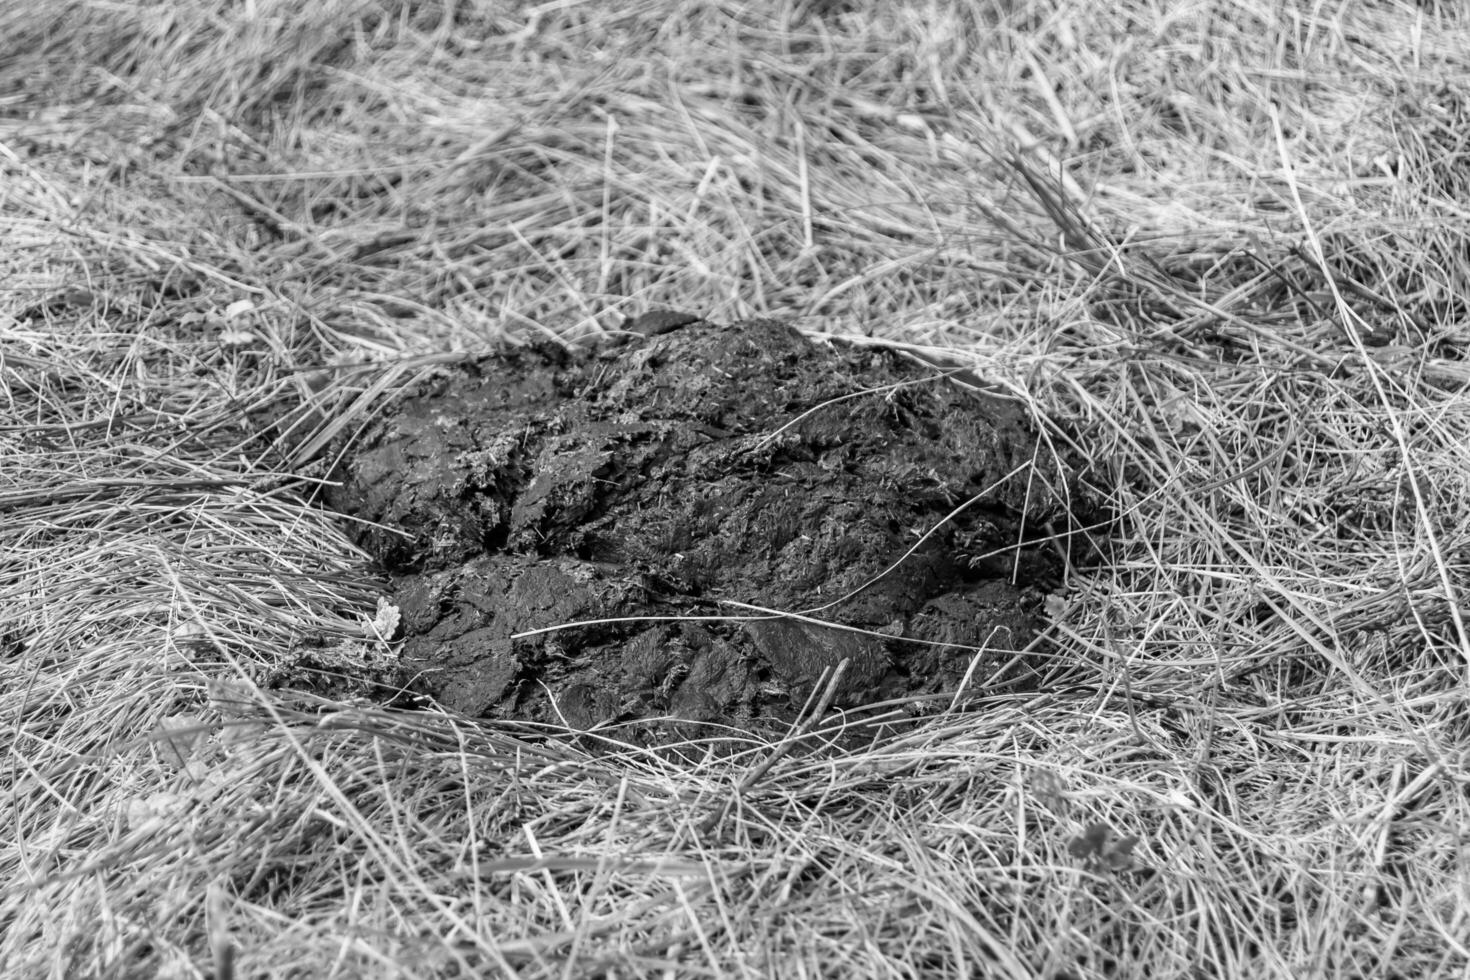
[1220,246]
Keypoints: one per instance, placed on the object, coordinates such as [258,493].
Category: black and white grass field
[1219,246]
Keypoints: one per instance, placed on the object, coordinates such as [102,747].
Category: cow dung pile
[687,532]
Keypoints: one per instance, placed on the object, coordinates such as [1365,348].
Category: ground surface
[1216,250]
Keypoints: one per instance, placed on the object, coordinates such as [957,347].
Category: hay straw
[1219,247]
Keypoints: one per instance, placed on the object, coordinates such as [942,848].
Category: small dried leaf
[180,737]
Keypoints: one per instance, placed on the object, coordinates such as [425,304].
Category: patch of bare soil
[587,539]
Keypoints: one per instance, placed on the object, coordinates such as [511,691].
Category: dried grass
[1221,245]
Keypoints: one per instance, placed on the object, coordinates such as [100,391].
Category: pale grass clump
[1219,247]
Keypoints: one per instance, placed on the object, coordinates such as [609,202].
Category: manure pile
[708,525]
